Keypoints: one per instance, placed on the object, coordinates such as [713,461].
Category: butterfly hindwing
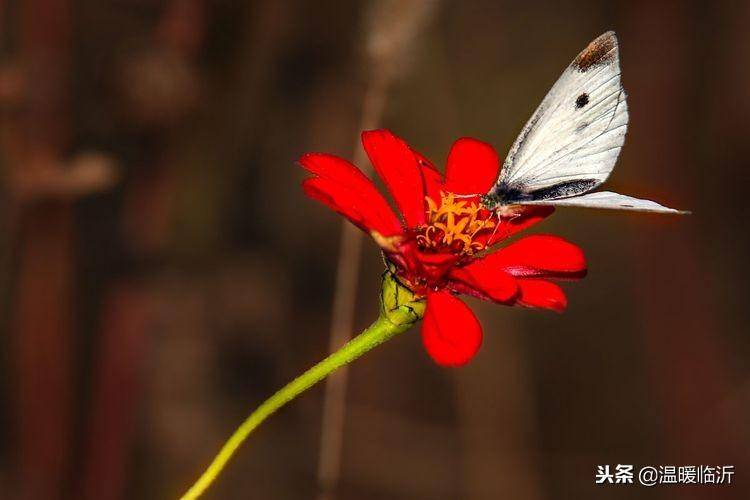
[607,199]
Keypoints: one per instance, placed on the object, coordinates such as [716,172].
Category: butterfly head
[490,201]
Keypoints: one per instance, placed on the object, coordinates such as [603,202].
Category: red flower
[438,248]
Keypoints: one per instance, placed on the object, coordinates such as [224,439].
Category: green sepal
[398,304]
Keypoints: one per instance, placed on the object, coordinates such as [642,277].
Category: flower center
[456,226]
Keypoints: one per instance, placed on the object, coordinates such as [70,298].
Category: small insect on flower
[441,245]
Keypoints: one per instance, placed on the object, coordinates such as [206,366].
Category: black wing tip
[607,38]
[601,50]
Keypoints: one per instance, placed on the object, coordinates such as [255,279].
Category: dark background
[162,272]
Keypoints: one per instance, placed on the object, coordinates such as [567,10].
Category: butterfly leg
[502,216]
[494,231]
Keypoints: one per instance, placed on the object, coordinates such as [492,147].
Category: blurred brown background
[161,271]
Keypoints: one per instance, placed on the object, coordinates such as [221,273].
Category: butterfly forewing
[571,143]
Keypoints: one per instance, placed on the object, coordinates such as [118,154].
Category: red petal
[345,189]
[336,169]
[509,226]
[472,167]
[433,266]
[450,332]
[365,209]
[484,281]
[433,179]
[397,166]
[539,255]
[544,294]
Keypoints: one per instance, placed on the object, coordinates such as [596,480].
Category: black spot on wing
[582,100]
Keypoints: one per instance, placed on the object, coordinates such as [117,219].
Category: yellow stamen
[454,225]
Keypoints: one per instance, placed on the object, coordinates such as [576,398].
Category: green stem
[380,331]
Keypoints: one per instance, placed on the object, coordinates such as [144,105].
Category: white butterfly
[572,141]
